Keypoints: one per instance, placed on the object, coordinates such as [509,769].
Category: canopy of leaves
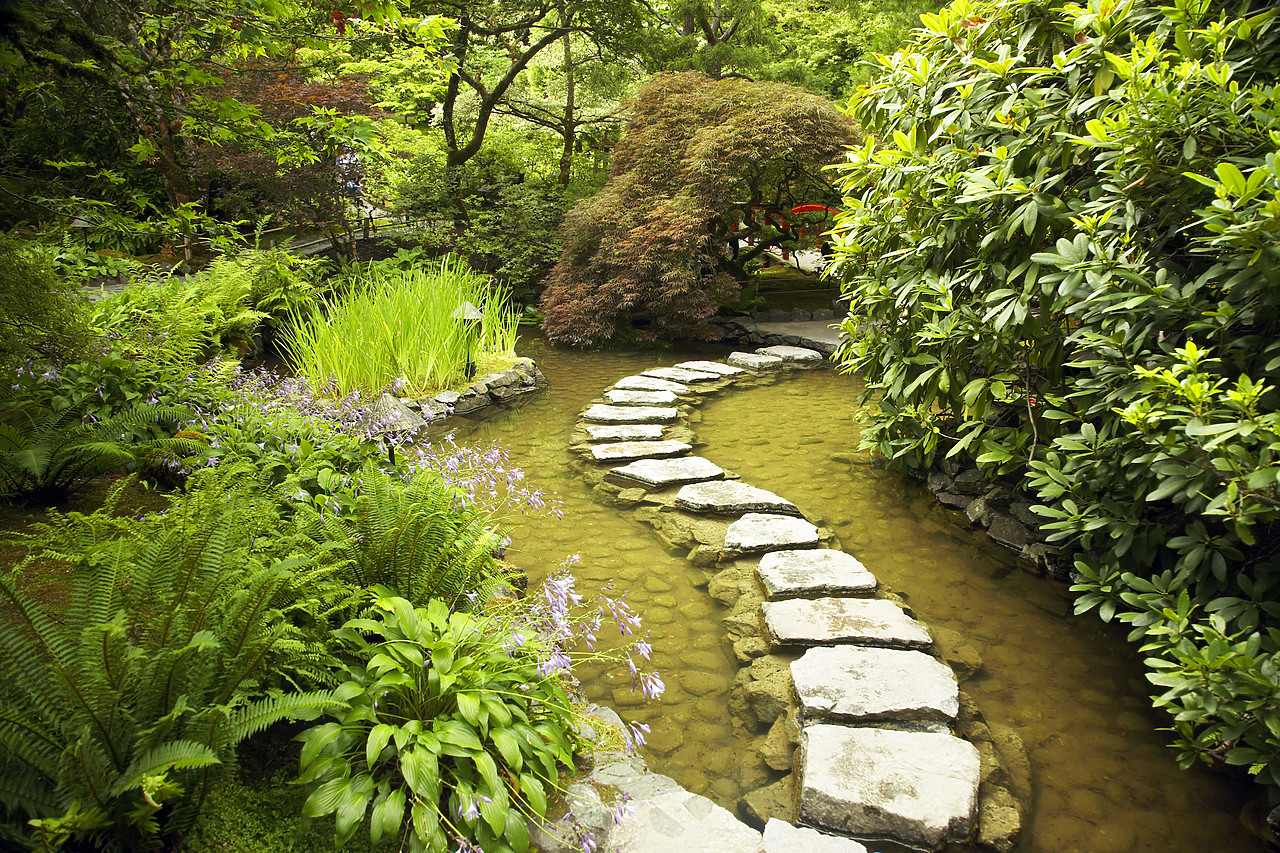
[704,163]
[1064,258]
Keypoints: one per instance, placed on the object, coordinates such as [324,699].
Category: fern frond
[173,755]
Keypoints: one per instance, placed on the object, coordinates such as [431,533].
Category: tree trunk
[569,131]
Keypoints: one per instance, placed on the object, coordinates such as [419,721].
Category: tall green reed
[397,328]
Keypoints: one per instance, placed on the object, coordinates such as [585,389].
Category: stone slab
[394,415]
[661,473]
[676,821]
[865,685]
[919,788]
[753,361]
[782,837]
[711,367]
[757,532]
[679,374]
[824,621]
[620,397]
[649,383]
[732,497]
[603,414]
[813,572]
[793,354]
[622,450]
[624,432]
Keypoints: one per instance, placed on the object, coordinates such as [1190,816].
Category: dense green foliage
[704,165]
[41,316]
[451,729]
[1063,250]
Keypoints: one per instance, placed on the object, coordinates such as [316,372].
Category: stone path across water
[877,757]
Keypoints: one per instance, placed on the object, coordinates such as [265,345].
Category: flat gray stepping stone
[679,374]
[639,398]
[823,621]
[731,497]
[796,354]
[813,572]
[624,432]
[753,361]
[603,414]
[622,450]
[757,532]
[919,788]
[861,685]
[782,837]
[660,473]
[673,820]
[710,367]
[648,383]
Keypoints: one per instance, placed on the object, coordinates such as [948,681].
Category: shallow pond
[1104,780]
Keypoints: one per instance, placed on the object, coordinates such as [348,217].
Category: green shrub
[1063,253]
[120,707]
[42,317]
[398,328]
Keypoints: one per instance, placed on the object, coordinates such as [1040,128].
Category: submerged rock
[919,788]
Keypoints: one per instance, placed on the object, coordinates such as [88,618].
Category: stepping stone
[602,414]
[813,572]
[625,432]
[756,532]
[822,621]
[858,685]
[920,788]
[794,354]
[639,398]
[782,837]
[731,497]
[638,450]
[648,383]
[672,819]
[661,473]
[679,374]
[710,367]
[753,362]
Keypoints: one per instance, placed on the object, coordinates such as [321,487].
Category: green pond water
[1104,780]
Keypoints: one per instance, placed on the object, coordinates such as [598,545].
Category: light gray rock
[680,821]
[395,415]
[624,432]
[619,397]
[753,361]
[782,837]
[661,473]
[790,353]
[649,383]
[732,497]
[757,532]
[822,621]
[862,685]
[710,367]
[919,788]
[813,571]
[602,414]
[679,374]
[448,398]
[622,450]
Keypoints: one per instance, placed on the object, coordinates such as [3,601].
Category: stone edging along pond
[861,701]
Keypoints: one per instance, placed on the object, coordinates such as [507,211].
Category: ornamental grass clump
[399,328]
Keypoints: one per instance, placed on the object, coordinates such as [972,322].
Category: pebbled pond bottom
[1104,780]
